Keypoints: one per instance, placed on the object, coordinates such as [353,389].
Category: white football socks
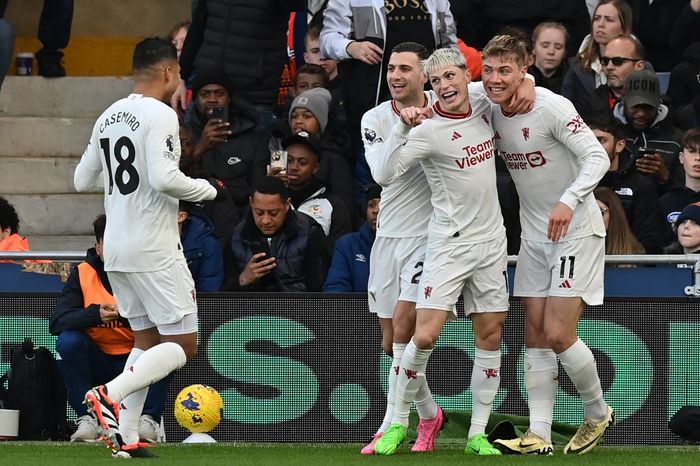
[151,366]
[130,408]
[541,381]
[580,366]
[425,405]
[486,377]
[413,364]
[397,349]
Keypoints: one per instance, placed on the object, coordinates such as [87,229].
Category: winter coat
[349,270]
[203,253]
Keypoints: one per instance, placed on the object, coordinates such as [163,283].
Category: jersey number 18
[124,165]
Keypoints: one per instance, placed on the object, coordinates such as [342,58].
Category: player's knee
[190,351]
[489,338]
[403,331]
[557,339]
[424,339]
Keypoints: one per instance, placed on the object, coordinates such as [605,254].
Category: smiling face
[450,85]
[405,76]
[502,75]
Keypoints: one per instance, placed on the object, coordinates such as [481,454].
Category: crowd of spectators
[276,91]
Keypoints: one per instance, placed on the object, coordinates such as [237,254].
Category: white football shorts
[476,271]
[164,296]
[573,268]
[395,267]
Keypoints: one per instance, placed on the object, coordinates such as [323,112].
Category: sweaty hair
[151,52]
[272,185]
[8,216]
[413,47]
[442,58]
[99,226]
[504,45]
[620,239]
[691,139]
[312,69]
[591,52]
[608,125]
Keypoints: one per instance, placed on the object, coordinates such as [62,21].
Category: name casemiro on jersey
[120,117]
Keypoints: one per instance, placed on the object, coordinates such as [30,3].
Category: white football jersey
[405,209]
[457,154]
[135,149]
[553,157]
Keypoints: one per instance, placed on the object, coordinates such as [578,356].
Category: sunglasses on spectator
[616,61]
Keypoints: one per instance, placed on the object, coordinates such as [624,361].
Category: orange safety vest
[113,337]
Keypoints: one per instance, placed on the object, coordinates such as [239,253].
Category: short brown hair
[504,45]
[691,139]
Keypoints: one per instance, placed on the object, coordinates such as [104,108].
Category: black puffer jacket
[247,38]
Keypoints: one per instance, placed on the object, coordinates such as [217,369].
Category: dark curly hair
[8,216]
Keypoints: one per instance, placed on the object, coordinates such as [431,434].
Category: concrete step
[61,242]
[80,97]
[45,175]
[56,214]
[38,136]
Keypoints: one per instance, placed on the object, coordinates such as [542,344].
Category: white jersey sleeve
[552,157]
[405,208]
[569,128]
[136,149]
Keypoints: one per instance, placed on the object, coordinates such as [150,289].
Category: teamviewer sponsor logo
[523,161]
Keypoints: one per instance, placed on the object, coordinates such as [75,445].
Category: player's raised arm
[406,147]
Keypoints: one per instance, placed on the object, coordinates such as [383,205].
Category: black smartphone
[644,151]
[218,112]
[261,246]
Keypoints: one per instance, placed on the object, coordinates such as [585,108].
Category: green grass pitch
[325,454]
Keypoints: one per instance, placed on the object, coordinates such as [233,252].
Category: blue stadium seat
[664,78]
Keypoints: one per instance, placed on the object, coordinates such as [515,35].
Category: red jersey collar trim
[453,116]
[395,107]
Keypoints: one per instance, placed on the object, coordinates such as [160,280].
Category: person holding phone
[226,145]
[650,133]
[276,248]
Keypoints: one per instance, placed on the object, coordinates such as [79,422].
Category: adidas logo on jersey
[566,284]
[456,135]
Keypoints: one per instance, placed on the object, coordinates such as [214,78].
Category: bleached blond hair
[442,58]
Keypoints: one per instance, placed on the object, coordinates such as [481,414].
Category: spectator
[612,18]
[223,214]
[549,48]
[310,112]
[94,342]
[636,192]
[10,239]
[684,88]
[223,122]
[680,195]
[313,55]
[619,238]
[309,76]
[202,250]
[309,195]
[7,45]
[276,248]
[178,34]
[248,39]
[687,230]
[54,34]
[649,129]
[358,42]
[349,270]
